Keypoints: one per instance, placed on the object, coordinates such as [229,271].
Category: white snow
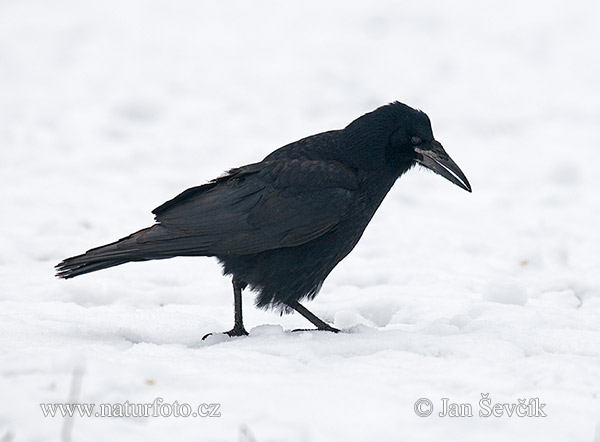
[109,108]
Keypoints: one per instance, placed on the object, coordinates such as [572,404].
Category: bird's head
[401,137]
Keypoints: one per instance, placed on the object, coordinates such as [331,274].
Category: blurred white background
[107,109]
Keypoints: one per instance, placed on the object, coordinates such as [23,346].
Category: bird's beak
[435,158]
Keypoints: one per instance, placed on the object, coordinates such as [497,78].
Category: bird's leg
[238,323]
[321,325]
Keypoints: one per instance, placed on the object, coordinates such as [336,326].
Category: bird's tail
[150,243]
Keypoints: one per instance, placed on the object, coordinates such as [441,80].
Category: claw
[235,331]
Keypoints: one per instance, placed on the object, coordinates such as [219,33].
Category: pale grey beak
[435,158]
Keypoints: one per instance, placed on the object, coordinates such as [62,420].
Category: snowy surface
[109,108]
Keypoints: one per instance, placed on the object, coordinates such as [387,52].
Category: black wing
[261,206]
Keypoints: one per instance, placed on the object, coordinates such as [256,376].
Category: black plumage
[281,225]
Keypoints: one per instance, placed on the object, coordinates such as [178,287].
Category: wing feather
[262,206]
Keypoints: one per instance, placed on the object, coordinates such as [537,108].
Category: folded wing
[259,207]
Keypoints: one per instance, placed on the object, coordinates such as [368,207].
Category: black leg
[238,322]
[321,325]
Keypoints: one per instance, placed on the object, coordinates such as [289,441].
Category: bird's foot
[235,331]
[328,328]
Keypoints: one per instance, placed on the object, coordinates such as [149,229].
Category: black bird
[281,225]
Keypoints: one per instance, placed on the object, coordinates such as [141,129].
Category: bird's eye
[415,140]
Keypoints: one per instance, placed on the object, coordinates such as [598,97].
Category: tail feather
[151,243]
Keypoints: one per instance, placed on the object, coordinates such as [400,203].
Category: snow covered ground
[109,108]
